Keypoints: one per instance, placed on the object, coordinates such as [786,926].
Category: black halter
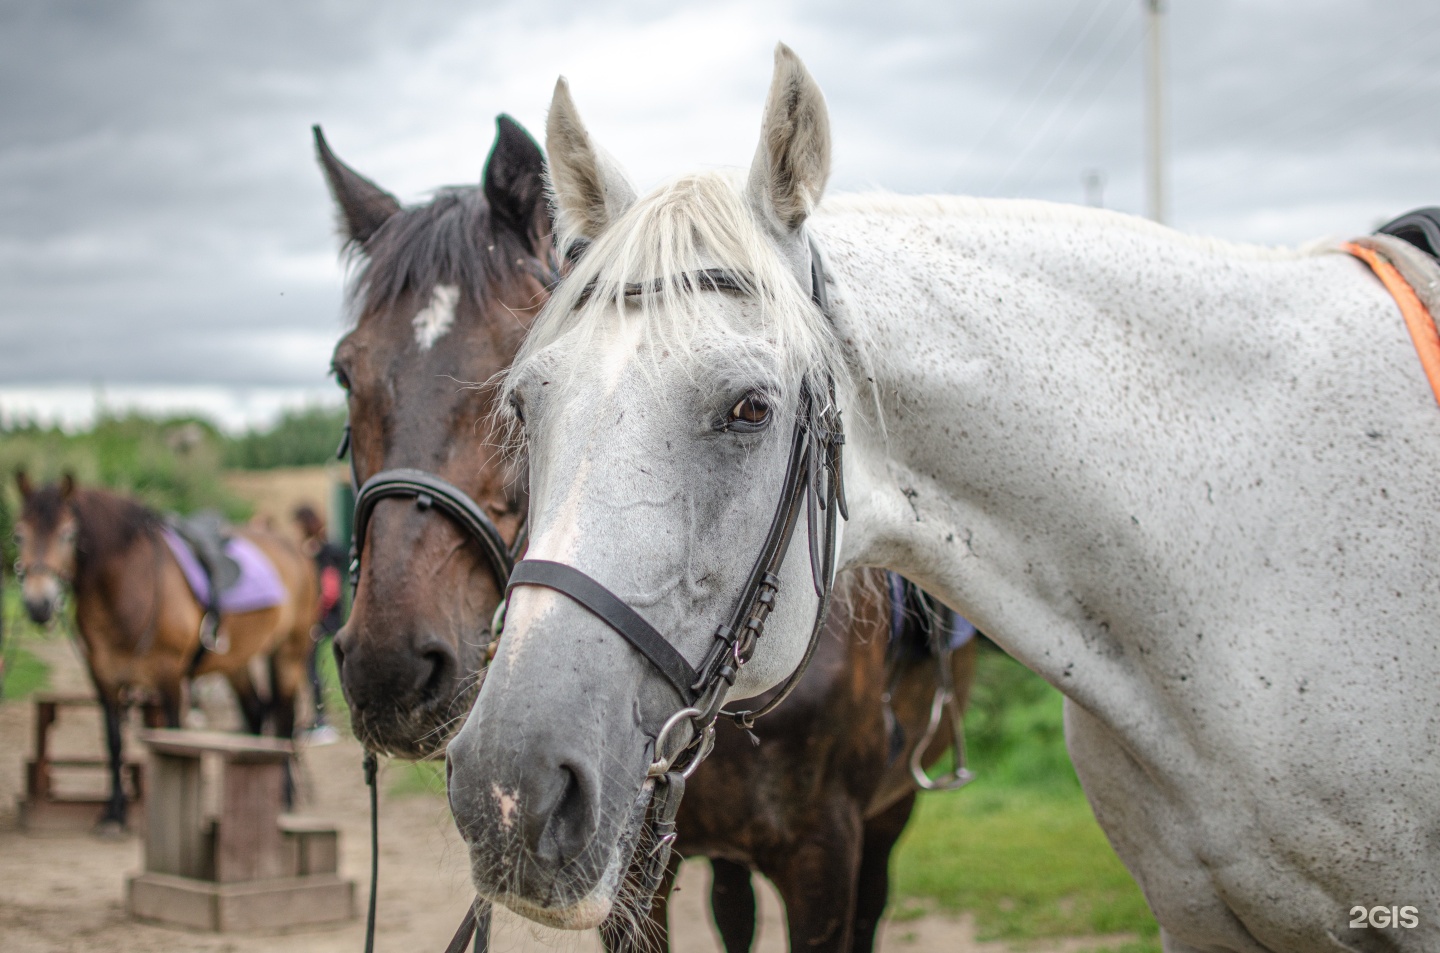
[429,492]
[813,481]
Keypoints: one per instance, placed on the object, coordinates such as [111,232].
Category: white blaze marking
[557,543]
[435,318]
[620,352]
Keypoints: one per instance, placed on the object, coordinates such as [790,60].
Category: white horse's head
[658,423]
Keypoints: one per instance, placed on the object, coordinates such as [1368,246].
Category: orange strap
[1420,321]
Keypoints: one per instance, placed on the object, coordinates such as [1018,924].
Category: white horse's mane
[694,222]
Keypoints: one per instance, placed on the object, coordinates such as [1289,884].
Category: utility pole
[1155,103]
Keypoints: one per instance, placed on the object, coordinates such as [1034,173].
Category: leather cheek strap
[601,603]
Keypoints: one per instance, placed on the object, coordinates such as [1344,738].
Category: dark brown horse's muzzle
[40,609]
[402,690]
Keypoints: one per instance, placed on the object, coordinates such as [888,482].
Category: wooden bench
[46,808]
[250,868]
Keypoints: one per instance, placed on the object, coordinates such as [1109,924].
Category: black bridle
[813,482]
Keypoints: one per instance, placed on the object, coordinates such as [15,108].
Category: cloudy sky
[166,239]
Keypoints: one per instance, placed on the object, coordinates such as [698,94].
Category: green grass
[1018,848]
[408,779]
[25,673]
[337,713]
[1026,864]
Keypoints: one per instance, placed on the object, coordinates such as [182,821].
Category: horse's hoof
[111,830]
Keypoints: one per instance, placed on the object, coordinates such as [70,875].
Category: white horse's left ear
[792,163]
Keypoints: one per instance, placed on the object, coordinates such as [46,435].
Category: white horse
[1192,484]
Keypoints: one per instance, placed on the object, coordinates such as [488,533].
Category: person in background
[330,560]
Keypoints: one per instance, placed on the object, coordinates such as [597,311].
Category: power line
[1005,115]
[1117,67]
[1117,34]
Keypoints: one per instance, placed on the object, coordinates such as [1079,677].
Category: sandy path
[65,892]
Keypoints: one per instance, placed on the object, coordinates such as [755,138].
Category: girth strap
[600,602]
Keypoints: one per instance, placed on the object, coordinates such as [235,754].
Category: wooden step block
[312,846]
[256,906]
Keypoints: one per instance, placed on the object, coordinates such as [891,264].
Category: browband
[708,279]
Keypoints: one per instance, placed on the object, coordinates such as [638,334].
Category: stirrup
[215,641]
[961,775]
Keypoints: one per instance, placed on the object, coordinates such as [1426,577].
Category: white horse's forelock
[691,223]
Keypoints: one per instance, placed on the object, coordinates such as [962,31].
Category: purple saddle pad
[259,586]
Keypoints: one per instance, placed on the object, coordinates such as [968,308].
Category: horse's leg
[816,879]
[287,673]
[113,817]
[317,687]
[251,705]
[732,904]
[872,884]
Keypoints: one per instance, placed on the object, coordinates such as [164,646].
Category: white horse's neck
[1071,432]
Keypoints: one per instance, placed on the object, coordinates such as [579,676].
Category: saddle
[1420,227]
[206,534]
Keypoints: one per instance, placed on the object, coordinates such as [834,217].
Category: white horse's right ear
[792,163]
[587,187]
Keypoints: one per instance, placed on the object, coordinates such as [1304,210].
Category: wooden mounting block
[250,869]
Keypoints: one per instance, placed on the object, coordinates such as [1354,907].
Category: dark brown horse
[139,622]
[818,803]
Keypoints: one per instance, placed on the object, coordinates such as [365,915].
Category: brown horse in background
[138,620]
[818,802]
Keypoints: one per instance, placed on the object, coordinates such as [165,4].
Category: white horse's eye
[750,413]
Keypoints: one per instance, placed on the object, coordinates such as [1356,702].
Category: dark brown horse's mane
[451,240]
[107,525]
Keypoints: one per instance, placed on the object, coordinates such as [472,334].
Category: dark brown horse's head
[45,538]
[444,296]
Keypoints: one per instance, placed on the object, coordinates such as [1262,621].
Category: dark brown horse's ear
[67,485]
[22,481]
[514,180]
[362,204]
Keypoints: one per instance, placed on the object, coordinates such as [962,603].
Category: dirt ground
[65,892]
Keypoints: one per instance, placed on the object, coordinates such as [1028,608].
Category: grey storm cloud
[162,219]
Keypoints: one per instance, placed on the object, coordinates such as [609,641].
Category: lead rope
[371,768]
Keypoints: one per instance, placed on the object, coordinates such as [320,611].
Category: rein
[813,482]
